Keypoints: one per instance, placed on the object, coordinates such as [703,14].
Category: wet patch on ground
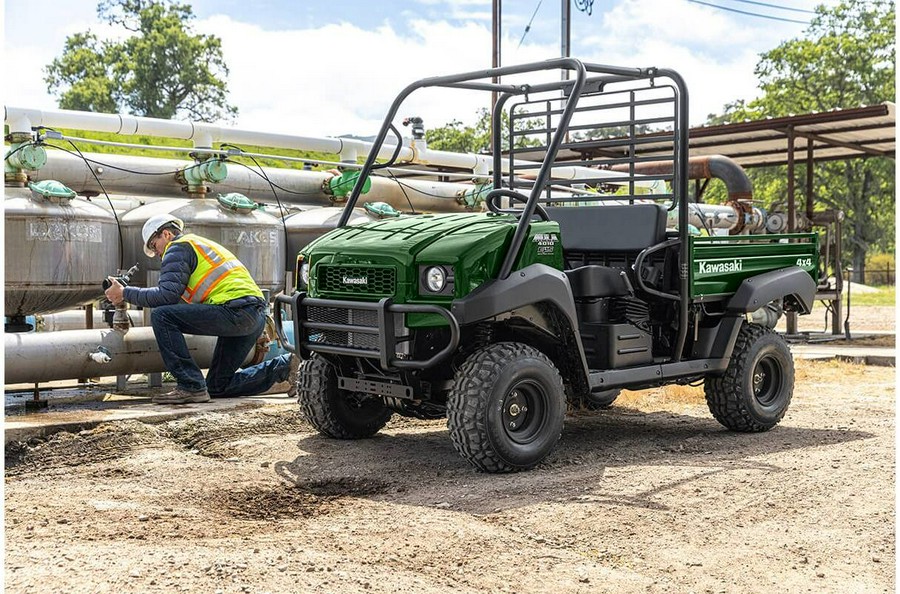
[290,501]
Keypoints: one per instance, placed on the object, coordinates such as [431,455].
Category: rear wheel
[756,389]
[506,408]
[334,412]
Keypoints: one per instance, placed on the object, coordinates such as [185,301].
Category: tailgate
[718,264]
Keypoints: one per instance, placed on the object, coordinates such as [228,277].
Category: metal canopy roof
[837,134]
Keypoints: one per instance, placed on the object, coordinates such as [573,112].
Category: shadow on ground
[420,466]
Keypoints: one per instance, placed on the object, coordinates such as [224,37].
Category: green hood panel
[385,258]
[404,237]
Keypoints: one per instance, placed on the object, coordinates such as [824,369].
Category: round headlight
[435,279]
[304,273]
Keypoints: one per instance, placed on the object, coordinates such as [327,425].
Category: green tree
[846,58]
[161,69]
[457,137]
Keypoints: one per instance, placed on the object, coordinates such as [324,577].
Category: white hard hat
[154,224]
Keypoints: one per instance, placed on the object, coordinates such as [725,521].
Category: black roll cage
[581,78]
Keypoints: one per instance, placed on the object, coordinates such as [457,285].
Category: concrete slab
[73,409]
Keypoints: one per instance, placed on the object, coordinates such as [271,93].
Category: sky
[326,68]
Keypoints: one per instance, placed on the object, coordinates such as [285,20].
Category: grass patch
[886,295]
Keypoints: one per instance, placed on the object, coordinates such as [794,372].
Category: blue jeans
[237,329]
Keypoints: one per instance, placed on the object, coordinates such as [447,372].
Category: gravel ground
[651,495]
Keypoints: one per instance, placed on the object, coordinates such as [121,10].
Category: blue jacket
[177,265]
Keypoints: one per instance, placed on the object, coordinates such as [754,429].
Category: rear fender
[793,284]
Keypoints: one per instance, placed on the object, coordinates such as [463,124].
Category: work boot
[294,376]
[181,396]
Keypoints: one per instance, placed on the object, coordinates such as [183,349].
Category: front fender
[530,285]
[793,284]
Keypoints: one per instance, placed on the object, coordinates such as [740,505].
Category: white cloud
[342,78]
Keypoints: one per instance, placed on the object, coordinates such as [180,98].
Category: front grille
[357,280]
[340,315]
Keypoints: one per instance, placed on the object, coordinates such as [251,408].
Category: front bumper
[357,329]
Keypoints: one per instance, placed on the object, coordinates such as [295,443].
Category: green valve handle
[52,190]
[237,202]
[341,185]
[212,171]
[472,198]
[28,157]
[381,209]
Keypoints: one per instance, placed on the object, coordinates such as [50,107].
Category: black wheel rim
[767,380]
[524,411]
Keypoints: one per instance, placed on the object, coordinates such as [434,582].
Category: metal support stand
[89,324]
[36,403]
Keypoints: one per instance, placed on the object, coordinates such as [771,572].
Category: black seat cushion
[592,282]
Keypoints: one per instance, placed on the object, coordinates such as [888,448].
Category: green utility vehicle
[567,290]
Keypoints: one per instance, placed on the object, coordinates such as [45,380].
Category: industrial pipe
[712,166]
[46,356]
[305,187]
[203,135]
[75,319]
[737,215]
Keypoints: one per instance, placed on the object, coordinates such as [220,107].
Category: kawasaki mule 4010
[571,287]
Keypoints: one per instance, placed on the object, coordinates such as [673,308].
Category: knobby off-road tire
[756,389]
[506,408]
[333,412]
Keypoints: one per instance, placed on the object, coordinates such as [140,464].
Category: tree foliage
[159,69]
[845,59]
[459,138]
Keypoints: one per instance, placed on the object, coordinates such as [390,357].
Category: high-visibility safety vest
[219,276]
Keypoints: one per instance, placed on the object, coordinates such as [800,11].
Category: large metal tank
[58,251]
[255,237]
[303,227]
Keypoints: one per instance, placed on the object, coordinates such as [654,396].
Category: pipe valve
[101,355]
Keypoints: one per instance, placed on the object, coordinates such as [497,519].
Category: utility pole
[565,34]
[496,39]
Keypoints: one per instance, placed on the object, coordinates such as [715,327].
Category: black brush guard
[383,331]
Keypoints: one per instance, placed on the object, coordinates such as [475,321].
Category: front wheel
[334,412]
[506,408]
[756,389]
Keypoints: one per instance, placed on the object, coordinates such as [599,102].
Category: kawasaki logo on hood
[355,280]
[733,266]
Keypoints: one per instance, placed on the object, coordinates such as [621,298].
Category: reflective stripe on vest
[214,264]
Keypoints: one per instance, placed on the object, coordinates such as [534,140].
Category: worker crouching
[203,290]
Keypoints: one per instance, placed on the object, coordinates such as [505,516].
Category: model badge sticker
[718,267]
[546,243]
[356,280]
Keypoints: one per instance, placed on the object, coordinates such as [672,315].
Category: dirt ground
[651,495]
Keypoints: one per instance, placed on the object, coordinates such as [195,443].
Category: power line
[776,6]
[528,26]
[754,14]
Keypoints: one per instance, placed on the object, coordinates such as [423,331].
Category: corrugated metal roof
[837,134]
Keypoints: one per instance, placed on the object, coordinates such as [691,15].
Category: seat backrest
[613,228]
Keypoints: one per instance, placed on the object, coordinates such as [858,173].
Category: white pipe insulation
[204,135]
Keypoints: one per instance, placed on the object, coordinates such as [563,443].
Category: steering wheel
[493,203]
